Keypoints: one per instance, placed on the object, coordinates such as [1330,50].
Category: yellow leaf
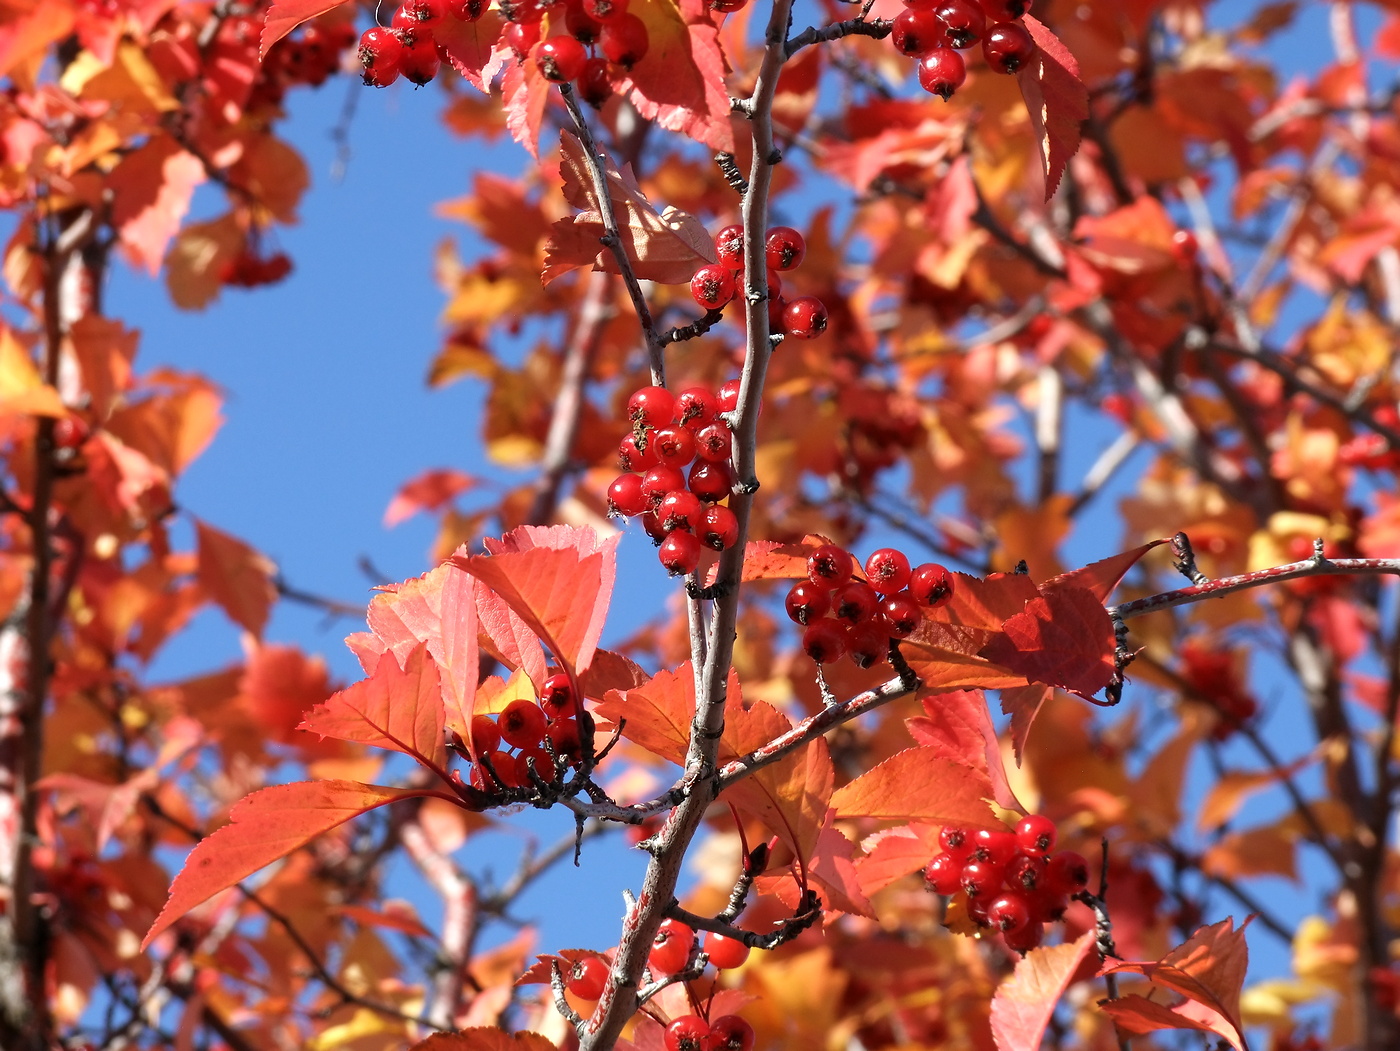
[22,392]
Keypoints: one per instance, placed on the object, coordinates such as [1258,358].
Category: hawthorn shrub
[940,787]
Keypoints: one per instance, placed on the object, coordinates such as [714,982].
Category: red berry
[724,952]
[521,724]
[651,407]
[888,570]
[829,565]
[1026,872]
[520,37]
[522,11]
[660,481]
[419,62]
[580,25]
[563,736]
[854,601]
[680,509]
[825,641]
[560,59]
[543,763]
[731,1033]
[808,602]
[557,696]
[689,1033]
[1035,835]
[867,645]
[624,40]
[1068,873]
[1185,246]
[728,395]
[625,496]
[955,840]
[964,19]
[631,457]
[917,31]
[718,527]
[1009,912]
[605,10]
[588,978]
[710,481]
[713,442]
[670,951]
[380,53]
[1005,10]
[594,84]
[509,772]
[712,286]
[467,10]
[941,72]
[901,615]
[680,552]
[784,248]
[943,874]
[652,525]
[1008,47]
[486,737]
[420,12]
[1025,939]
[696,407]
[982,878]
[996,845]
[804,318]
[1048,905]
[729,246]
[931,585]
[674,445]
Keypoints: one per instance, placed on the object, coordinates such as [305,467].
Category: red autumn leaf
[611,671]
[957,726]
[893,853]
[286,15]
[832,869]
[667,247]
[152,187]
[768,560]
[946,650]
[657,714]
[558,580]
[484,1038]
[396,708]
[1101,577]
[1064,639]
[679,83]
[265,826]
[917,784]
[1024,1003]
[430,491]
[1208,970]
[507,637]
[1056,99]
[538,973]
[1023,704]
[526,95]
[236,577]
[473,47]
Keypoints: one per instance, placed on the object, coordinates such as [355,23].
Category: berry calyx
[804,318]
[522,724]
[633,457]
[467,10]
[888,570]
[605,10]
[784,249]
[588,978]
[1008,47]
[829,566]
[696,407]
[680,554]
[855,602]
[725,952]
[941,72]
[712,286]
[557,696]
[560,59]
[670,951]
[965,21]
[714,442]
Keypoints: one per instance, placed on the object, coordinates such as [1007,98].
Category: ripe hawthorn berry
[888,570]
[419,62]
[633,457]
[867,645]
[680,509]
[521,724]
[917,31]
[829,565]
[670,950]
[941,72]
[712,287]
[955,841]
[1008,47]
[467,10]
[1035,835]
[520,37]
[825,641]
[380,53]
[1026,872]
[1068,872]
[588,978]
[724,952]
[564,736]
[931,585]
[687,1033]
[784,248]
[560,59]
[594,84]
[807,602]
[1025,939]
[718,527]
[728,395]
[485,735]
[943,874]
[605,10]
[674,445]
[1005,10]
[854,602]
[652,525]
[624,40]
[509,772]
[651,407]
[625,496]
[981,878]
[804,317]
[901,615]
[660,481]
[965,21]
[729,246]
[714,442]
[420,12]
[1009,912]
[580,25]
[557,696]
[711,481]
[696,407]
[680,554]
[730,1033]
[996,845]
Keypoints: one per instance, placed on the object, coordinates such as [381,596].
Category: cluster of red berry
[309,56]
[589,26]
[696,1033]
[670,433]
[407,47]
[845,616]
[715,284]
[544,734]
[1012,882]
[935,31]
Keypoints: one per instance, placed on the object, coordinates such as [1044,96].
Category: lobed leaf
[1056,99]
[1024,1004]
[919,784]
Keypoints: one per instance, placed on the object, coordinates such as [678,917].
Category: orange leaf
[1064,639]
[483,1038]
[917,784]
[667,247]
[893,853]
[832,869]
[236,577]
[1023,704]
[285,15]
[430,491]
[958,727]
[558,580]
[540,972]
[471,47]
[1056,99]
[153,187]
[526,94]
[508,637]
[1024,1003]
[1101,577]
[396,708]
[265,826]
[658,713]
